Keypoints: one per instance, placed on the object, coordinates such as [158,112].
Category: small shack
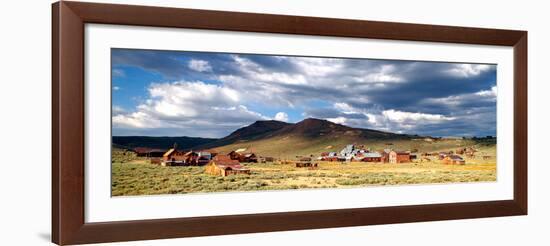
[223,165]
[305,162]
[454,159]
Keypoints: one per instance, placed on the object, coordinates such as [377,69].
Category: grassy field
[135,176]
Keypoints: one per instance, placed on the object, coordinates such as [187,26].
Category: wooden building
[148,152]
[249,157]
[385,155]
[243,157]
[141,151]
[372,157]
[399,157]
[173,157]
[222,165]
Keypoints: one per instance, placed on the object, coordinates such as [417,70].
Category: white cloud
[281,116]
[258,91]
[200,66]
[318,67]
[136,120]
[387,120]
[344,107]
[468,70]
[461,99]
[116,88]
[488,93]
[401,116]
[338,120]
[385,74]
[257,73]
[189,107]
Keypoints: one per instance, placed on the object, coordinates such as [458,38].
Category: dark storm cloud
[172,65]
[428,98]
[326,113]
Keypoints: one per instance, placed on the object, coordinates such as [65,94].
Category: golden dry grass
[137,177]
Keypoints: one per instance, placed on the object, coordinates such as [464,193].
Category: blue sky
[201,94]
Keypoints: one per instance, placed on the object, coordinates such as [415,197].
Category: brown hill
[257,130]
[313,128]
[274,138]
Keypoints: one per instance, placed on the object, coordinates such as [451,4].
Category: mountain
[159,142]
[276,138]
[310,136]
[313,128]
[257,130]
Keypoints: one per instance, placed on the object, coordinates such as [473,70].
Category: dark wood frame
[68,225]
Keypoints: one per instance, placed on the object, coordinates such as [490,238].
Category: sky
[202,94]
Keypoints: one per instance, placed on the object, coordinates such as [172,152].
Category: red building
[399,157]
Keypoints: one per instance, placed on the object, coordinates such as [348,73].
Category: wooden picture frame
[68,223]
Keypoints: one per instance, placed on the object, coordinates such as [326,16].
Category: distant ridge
[184,143]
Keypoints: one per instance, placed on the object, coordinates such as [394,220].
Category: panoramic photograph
[200,122]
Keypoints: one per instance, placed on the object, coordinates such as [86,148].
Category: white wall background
[25,125]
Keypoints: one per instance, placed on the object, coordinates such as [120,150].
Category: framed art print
[175,122]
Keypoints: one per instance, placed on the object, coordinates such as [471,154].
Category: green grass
[121,156]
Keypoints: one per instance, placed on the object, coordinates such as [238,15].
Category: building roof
[169,152]
[232,166]
[372,154]
[225,162]
[456,157]
[399,152]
